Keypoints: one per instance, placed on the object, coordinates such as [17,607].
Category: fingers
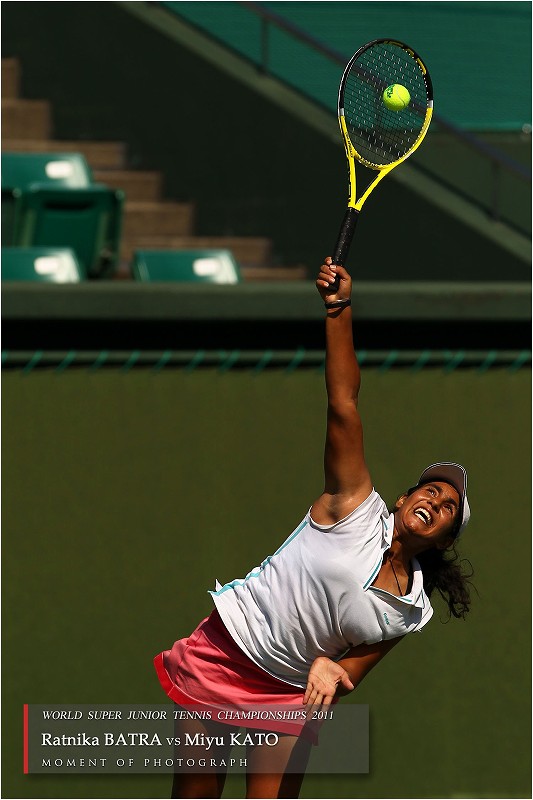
[317,702]
[316,696]
[329,272]
[312,693]
[338,270]
[325,279]
[346,682]
[315,705]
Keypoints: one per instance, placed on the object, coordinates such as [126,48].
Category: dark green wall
[127,494]
[250,168]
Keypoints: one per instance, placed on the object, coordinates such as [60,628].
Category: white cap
[456,475]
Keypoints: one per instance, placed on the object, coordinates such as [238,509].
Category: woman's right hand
[325,677]
[326,276]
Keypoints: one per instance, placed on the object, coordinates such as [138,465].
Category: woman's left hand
[325,676]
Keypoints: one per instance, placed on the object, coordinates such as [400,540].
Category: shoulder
[370,511]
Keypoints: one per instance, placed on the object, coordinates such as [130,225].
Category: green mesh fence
[260,360]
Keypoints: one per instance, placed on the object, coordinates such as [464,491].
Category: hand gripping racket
[378,137]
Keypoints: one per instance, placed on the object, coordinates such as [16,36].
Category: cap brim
[449,472]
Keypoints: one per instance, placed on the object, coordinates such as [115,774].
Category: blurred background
[172,177]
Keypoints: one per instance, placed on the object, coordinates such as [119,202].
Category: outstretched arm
[328,678]
[347,481]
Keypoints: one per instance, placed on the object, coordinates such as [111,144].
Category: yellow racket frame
[352,155]
[342,245]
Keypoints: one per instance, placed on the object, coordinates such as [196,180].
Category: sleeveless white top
[314,596]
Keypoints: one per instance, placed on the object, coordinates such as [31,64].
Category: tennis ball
[396,97]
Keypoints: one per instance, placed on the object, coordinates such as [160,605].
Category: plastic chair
[42,264]
[87,220]
[21,170]
[58,170]
[203,266]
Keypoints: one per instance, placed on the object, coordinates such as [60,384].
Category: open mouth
[424,515]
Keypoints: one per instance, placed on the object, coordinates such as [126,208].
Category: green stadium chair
[87,220]
[21,170]
[43,264]
[204,266]
[60,170]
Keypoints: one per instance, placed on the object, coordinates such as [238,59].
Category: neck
[400,569]
[405,546]
[401,554]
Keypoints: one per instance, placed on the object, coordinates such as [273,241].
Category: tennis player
[313,619]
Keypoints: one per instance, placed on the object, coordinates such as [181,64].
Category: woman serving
[344,588]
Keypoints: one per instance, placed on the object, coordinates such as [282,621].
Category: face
[429,514]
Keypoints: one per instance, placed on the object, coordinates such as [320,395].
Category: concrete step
[100,155]
[26,119]
[262,274]
[157,219]
[137,185]
[10,78]
[249,251]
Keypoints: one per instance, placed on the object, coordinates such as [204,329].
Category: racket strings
[379,135]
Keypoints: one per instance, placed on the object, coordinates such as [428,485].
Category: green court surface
[127,493]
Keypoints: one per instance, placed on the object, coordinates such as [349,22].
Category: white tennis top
[314,596]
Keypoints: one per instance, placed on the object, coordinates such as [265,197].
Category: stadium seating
[49,200]
[87,220]
[205,266]
[42,264]
[60,170]
[21,170]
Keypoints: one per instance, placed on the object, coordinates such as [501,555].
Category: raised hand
[326,277]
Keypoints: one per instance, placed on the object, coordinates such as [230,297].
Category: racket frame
[355,205]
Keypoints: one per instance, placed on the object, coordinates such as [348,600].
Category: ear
[401,500]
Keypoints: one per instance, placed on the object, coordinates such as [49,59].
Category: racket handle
[344,240]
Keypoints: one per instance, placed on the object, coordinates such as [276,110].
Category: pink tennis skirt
[209,670]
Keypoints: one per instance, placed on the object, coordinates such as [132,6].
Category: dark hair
[443,571]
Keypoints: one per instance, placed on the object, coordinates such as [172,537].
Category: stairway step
[99,155]
[262,274]
[26,119]
[248,251]
[10,78]
[157,219]
[137,185]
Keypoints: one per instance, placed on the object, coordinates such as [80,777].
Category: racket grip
[344,240]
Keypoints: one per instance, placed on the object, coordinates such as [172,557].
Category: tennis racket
[374,135]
